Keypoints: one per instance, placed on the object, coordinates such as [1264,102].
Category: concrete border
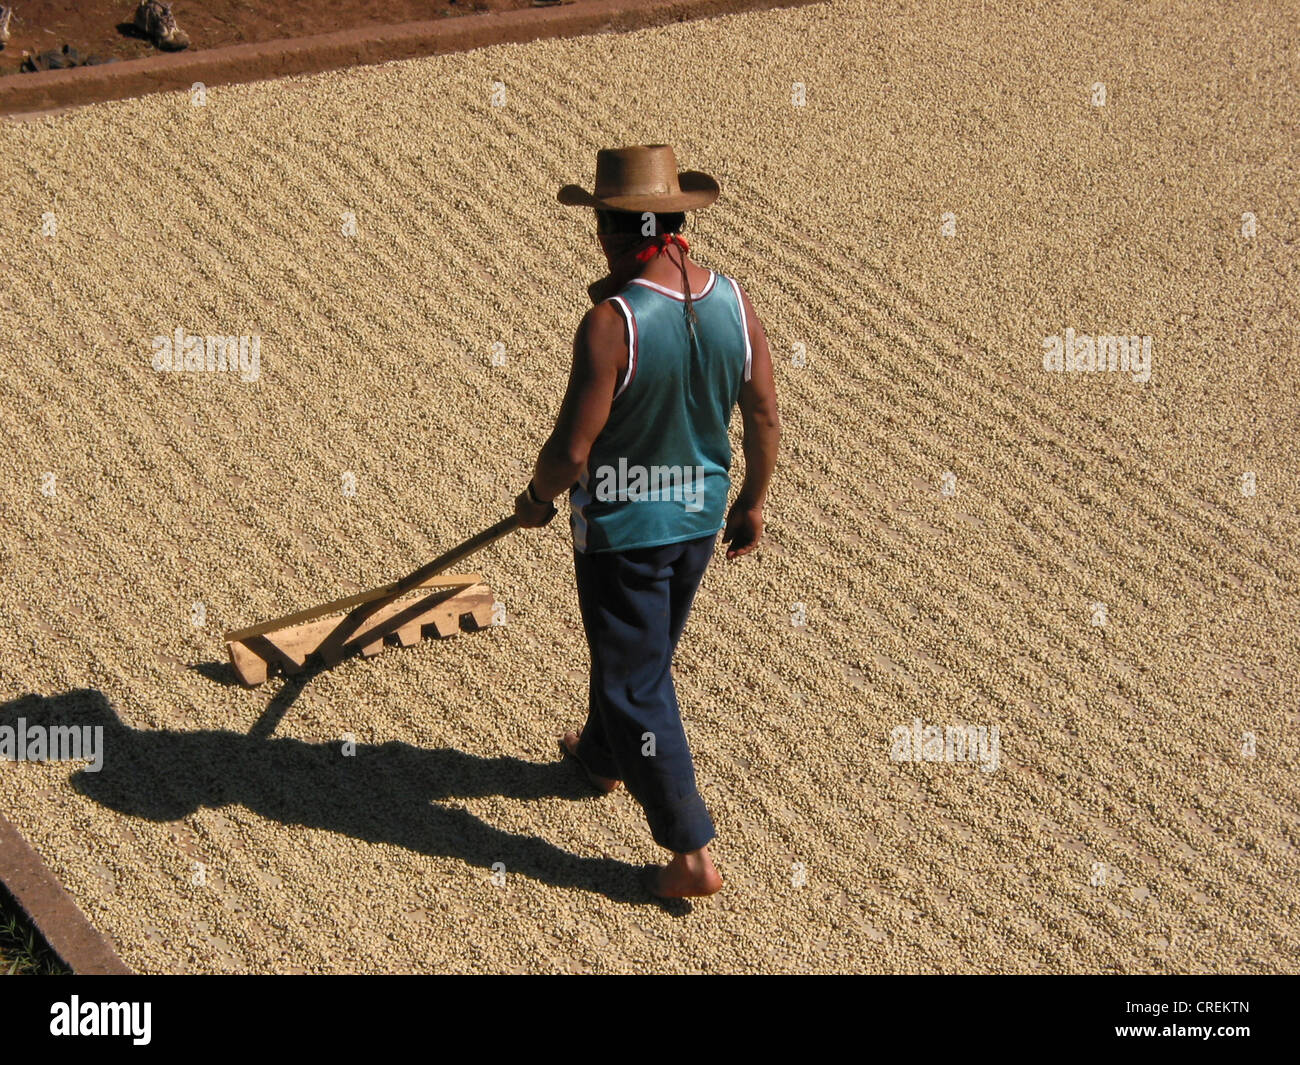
[53,89]
[52,910]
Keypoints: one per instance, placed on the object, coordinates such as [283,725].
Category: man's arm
[762,424]
[599,353]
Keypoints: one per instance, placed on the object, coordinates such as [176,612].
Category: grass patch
[23,951]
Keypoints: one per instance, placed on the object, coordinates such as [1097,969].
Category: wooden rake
[453,600]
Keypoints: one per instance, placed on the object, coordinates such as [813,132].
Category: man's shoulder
[602,329]
[604,317]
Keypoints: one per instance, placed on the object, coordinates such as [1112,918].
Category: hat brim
[697,190]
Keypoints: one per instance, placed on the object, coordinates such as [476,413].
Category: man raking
[641,446]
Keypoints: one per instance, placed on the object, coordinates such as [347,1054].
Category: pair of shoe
[154,19]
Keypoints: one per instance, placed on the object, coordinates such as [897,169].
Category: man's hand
[532,515]
[744,528]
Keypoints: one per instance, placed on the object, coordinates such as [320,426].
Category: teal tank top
[659,472]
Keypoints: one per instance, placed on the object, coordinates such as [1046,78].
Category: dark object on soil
[154,19]
[55,60]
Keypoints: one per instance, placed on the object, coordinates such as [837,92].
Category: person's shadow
[388,793]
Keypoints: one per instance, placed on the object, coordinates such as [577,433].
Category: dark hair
[632,223]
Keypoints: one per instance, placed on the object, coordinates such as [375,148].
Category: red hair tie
[659,245]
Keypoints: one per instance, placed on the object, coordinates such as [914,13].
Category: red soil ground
[103,27]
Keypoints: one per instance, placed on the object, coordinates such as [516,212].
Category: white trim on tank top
[708,287]
[744,328]
[630,318]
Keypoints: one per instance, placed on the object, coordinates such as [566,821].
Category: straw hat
[642,178]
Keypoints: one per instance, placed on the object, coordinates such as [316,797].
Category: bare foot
[687,876]
[569,743]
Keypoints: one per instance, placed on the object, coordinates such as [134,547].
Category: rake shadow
[269,721]
[387,793]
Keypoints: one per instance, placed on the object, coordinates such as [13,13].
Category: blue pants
[634,607]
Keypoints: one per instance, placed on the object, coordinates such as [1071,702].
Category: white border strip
[708,287]
[744,328]
[622,305]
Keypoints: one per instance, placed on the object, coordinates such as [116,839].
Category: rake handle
[450,558]
[377,598]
